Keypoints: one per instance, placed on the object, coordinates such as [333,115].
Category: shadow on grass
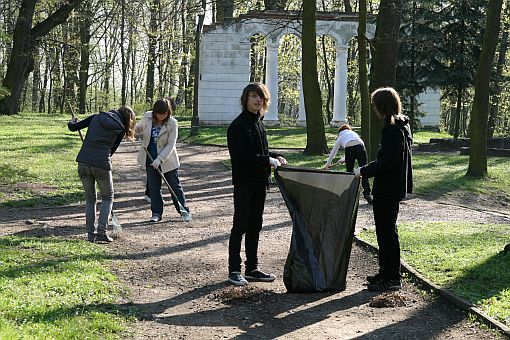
[486,281]
[41,199]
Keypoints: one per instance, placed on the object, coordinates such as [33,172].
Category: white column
[301,120]
[271,116]
[340,99]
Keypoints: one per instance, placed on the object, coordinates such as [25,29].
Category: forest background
[109,53]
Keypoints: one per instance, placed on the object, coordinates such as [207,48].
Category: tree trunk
[316,138]
[36,81]
[20,59]
[24,39]
[384,63]
[198,32]
[151,57]
[347,5]
[478,124]
[363,72]
[458,113]
[85,36]
[496,90]
[123,52]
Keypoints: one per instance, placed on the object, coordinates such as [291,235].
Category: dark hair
[344,127]
[128,119]
[162,106]
[387,104]
[263,93]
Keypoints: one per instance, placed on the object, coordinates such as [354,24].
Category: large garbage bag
[323,206]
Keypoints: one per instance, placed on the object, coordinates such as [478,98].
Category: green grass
[424,136]
[57,289]
[277,137]
[38,157]
[465,258]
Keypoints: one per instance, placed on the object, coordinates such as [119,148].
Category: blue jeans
[89,176]
[154,179]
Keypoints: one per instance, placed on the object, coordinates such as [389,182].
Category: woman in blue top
[104,134]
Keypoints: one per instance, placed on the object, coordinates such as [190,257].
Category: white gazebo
[225,62]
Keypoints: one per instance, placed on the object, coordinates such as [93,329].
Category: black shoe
[374,278]
[91,237]
[103,238]
[237,279]
[368,198]
[384,285]
[259,276]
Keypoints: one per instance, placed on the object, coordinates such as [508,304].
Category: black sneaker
[374,278]
[258,276]
[237,279]
[103,238]
[384,285]
[368,198]
[91,237]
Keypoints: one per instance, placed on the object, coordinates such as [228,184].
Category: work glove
[155,164]
[274,162]
[357,172]
[341,160]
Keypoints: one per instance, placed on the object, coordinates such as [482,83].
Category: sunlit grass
[57,289]
[466,258]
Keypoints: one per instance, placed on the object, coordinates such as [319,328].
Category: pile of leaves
[246,294]
[389,300]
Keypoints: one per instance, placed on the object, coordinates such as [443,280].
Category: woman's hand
[155,164]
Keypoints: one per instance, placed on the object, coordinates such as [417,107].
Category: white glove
[357,172]
[274,162]
[282,160]
[342,160]
[155,164]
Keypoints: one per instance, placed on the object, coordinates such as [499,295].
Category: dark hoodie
[392,169]
[104,134]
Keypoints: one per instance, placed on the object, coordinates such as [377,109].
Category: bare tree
[25,38]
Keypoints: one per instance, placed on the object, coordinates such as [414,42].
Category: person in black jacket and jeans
[104,134]
[251,168]
[393,179]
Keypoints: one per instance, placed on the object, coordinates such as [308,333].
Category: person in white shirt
[354,150]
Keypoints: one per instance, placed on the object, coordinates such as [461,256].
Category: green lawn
[466,258]
[52,288]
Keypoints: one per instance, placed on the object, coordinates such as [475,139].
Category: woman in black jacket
[251,168]
[393,179]
[104,134]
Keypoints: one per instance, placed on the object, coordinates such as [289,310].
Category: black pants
[249,202]
[359,153]
[385,216]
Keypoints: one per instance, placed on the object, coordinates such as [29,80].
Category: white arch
[225,68]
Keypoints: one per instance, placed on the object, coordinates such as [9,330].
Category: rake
[117,227]
[178,206]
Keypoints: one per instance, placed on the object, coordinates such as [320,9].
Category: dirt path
[176,271]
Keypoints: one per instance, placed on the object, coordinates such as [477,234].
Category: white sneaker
[147,199]
[155,218]
[186,216]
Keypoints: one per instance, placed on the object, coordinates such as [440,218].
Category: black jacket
[104,134]
[392,169]
[248,148]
